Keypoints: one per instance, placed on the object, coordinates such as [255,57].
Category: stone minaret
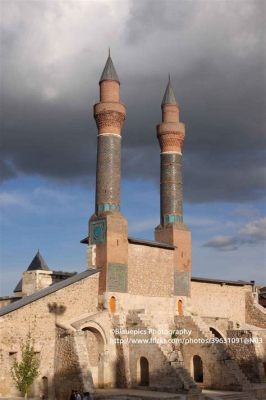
[107,227]
[171,134]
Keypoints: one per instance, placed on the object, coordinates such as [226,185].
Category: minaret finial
[109,72]
[169,96]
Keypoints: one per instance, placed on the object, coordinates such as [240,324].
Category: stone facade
[135,317]
[206,299]
[144,276]
[255,313]
[41,319]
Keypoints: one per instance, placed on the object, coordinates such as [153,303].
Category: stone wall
[219,300]
[33,281]
[221,325]
[150,271]
[160,374]
[255,313]
[40,318]
[4,301]
[66,369]
[215,373]
[244,353]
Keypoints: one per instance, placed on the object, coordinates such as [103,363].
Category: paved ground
[138,394]
[126,394]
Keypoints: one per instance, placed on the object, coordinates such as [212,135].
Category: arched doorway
[45,387]
[216,333]
[112,305]
[95,348]
[197,369]
[180,307]
[144,371]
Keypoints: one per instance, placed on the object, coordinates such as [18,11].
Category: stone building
[135,317]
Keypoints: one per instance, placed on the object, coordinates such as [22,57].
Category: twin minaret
[109,115]
[107,227]
[171,133]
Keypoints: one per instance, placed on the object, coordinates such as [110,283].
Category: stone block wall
[35,280]
[219,324]
[161,375]
[255,313]
[215,373]
[150,271]
[244,353]
[40,318]
[4,301]
[219,300]
[66,369]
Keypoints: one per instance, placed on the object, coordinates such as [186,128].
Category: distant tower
[107,227]
[171,134]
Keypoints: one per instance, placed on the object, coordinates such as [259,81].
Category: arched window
[197,369]
[180,307]
[112,304]
[144,371]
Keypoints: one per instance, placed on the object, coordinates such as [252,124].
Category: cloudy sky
[53,53]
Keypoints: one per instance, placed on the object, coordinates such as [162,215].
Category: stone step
[221,353]
[185,378]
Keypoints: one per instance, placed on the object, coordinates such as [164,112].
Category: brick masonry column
[171,134]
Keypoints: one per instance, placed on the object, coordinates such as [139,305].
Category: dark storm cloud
[214,51]
[52,141]
[151,16]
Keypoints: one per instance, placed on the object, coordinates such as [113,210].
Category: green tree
[25,371]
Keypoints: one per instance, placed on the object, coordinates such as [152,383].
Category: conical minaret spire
[109,73]
[169,96]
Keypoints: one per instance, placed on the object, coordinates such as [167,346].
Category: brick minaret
[171,134]
[109,115]
[107,227]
